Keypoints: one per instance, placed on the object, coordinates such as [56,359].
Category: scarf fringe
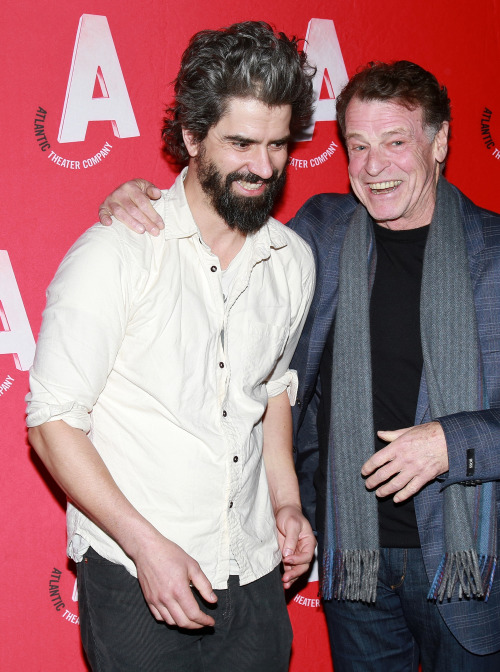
[350,575]
[472,574]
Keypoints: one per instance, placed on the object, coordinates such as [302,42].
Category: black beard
[246,214]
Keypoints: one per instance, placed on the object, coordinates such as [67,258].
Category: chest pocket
[257,347]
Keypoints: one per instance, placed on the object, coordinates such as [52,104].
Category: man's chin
[246,214]
[247,220]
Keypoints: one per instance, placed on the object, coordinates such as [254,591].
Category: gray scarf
[454,380]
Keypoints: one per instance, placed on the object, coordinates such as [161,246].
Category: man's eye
[358,148]
[241,145]
[397,143]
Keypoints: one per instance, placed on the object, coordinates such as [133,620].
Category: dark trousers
[401,629]
[252,630]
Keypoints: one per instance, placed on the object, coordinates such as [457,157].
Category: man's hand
[130,203]
[297,542]
[166,574]
[414,457]
[164,570]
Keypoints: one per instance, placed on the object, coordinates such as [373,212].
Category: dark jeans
[401,628]
[252,630]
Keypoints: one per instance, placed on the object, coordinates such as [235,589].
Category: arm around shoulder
[130,203]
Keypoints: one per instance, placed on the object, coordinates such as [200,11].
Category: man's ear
[441,142]
[192,145]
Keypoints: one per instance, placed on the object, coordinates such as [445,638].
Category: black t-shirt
[396,367]
[396,358]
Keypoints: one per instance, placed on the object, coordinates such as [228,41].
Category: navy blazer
[322,222]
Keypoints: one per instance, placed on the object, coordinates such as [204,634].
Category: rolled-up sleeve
[39,412]
[288,381]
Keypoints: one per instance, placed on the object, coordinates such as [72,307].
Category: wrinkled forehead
[362,114]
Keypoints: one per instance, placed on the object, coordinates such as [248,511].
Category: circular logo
[63,594]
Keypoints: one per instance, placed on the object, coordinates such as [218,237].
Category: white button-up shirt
[139,349]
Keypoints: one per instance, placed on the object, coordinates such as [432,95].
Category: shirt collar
[179,221]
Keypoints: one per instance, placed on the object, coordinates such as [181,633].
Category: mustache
[251,178]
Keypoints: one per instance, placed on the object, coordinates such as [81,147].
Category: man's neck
[226,245]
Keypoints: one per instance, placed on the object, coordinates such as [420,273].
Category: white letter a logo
[95,56]
[323,51]
[16,337]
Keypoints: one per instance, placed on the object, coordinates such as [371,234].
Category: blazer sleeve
[473,441]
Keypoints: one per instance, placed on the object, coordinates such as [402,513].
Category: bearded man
[160,393]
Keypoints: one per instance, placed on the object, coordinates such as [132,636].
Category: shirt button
[213,268]
[230,505]
[221,364]
[235,458]
[224,414]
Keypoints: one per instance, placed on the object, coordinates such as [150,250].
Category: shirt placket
[231,539]
[236,458]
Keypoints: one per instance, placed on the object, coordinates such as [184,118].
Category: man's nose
[376,161]
[260,163]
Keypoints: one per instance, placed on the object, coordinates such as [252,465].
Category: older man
[408,341]
[160,393]
[397,422]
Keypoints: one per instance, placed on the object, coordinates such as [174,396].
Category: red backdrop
[84,86]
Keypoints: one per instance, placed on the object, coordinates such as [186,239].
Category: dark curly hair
[401,82]
[246,59]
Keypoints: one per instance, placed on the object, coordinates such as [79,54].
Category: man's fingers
[395,481]
[381,475]
[377,461]
[298,563]
[401,486]
[203,585]
[190,619]
[153,192]
[131,204]
[393,434]
[384,456]
[300,558]
[138,216]
[410,490]
[298,543]
[187,613]
[415,455]
[293,529]
[104,215]
[180,608]
[155,612]
[291,574]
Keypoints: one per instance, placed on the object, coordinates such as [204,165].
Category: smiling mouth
[384,187]
[250,186]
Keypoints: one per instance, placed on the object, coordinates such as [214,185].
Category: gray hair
[245,60]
